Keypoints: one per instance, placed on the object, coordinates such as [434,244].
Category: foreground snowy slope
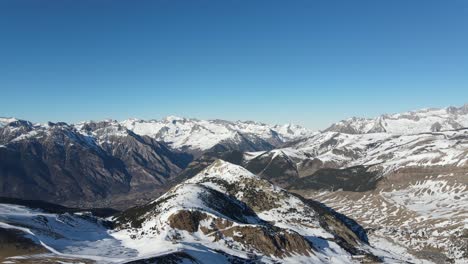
[62,236]
[228,210]
[225,214]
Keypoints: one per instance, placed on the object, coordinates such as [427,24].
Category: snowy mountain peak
[225,171]
[172,118]
[6,120]
[412,122]
[229,209]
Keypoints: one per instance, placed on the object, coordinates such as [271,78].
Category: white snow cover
[6,120]
[84,237]
[428,213]
[424,120]
[433,199]
[280,215]
[68,235]
[191,196]
[181,132]
[415,215]
[178,133]
[390,152]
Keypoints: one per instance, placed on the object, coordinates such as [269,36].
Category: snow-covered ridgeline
[420,121]
[386,151]
[179,133]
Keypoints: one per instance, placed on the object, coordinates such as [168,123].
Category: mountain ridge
[260,214]
[100,163]
[411,122]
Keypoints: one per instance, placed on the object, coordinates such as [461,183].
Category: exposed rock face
[266,239]
[199,164]
[274,166]
[61,164]
[59,168]
[14,243]
[106,164]
[228,208]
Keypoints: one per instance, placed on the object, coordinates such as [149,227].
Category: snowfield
[68,235]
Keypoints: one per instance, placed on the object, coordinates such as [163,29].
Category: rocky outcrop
[265,239]
[13,243]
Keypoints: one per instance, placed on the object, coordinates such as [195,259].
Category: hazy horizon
[232,120]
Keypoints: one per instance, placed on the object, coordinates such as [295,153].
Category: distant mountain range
[94,162]
[425,120]
[200,135]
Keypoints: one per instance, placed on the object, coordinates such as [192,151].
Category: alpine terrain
[225,214]
[403,177]
[110,163]
[391,189]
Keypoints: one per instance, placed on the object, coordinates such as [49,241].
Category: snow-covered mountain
[425,120]
[199,135]
[107,163]
[225,214]
[59,163]
[227,209]
[384,151]
[178,133]
[403,177]
[410,189]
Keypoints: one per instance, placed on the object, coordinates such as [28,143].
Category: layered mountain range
[107,163]
[409,189]
[390,189]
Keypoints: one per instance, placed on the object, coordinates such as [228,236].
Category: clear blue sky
[307,62]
